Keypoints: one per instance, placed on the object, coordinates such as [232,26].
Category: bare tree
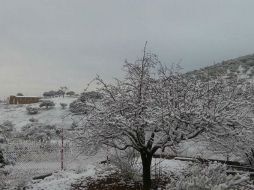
[62,91]
[155,107]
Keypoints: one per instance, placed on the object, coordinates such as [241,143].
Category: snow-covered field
[18,115]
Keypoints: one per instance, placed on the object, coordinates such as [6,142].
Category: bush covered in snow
[92,95]
[3,171]
[79,107]
[2,159]
[6,129]
[63,105]
[211,177]
[127,163]
[70,93]
[250,157]
[2,179]
[47,104]
[3,174]
[33,120]
[84,103]
[32,110]
[49,94]
[38,131]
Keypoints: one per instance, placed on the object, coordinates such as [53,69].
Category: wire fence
[29,159]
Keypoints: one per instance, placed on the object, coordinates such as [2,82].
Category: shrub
[47,103]
[2,139]
[33,120]
[63,105]
[70,93]
[38,131]
[74,125]
[3,174]
[79,107]
[92,95]
[51,93]
[20,94]
[250,157]
[211,177]
[8,125]
[127,163]
[6,129]
[32,110]
[3,171]
[2,159]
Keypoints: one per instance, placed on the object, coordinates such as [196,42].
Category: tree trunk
[146,163]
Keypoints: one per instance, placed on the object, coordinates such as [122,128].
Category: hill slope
[241,68]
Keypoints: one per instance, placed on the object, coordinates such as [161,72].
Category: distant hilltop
[240,68]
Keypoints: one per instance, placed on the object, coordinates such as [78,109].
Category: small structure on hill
[24,99]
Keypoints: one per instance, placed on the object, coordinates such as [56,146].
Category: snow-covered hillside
[240,68]
[17,114]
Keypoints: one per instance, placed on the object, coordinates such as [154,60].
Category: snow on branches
[210,177]
[155,107]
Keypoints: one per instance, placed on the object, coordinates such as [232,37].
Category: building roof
[28,97]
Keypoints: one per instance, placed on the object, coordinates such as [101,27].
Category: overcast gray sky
[45,44]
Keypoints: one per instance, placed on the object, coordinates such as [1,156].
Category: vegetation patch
[116,181]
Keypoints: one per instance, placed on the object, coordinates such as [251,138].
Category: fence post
[62,151]
[107,155]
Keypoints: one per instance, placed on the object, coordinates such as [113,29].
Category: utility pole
[62,150]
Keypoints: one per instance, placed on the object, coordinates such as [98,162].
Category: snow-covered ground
[18,115]
[21,173]
[62,180]
[78,168]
